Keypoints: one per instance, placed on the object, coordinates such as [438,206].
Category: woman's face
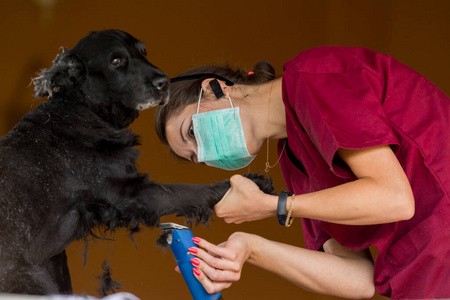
[179,128]
[180,133]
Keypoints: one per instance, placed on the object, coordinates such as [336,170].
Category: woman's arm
[381,194]
[337,271]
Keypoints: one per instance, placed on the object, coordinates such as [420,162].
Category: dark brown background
[185,33]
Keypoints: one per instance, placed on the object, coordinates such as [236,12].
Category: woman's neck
[263,113]
[276,120]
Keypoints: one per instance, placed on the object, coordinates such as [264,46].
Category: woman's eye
[191,131]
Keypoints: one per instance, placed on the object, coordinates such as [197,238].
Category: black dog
[69,165]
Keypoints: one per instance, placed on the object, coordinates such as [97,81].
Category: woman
[365,152]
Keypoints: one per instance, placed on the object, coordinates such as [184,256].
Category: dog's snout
[160,83]
[157,91]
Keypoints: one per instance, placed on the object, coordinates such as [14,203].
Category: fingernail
[196,240]
[195,262]
[196,271]
[193,250]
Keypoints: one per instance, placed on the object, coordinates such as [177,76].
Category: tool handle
[182,240]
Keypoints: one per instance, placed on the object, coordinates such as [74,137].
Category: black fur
[69,165]
[108,286]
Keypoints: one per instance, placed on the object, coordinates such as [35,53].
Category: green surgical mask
[220,138]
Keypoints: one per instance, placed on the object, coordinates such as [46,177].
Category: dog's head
[107,66]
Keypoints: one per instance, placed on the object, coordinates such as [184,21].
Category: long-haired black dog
[69,165]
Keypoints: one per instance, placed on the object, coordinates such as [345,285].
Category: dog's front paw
[264,184]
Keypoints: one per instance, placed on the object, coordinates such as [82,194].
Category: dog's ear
[66,73]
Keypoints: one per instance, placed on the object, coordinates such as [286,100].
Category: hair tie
[251,73]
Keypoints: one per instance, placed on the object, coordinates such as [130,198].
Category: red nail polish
[193,250]
[196,240]
[196,271]
[195,262]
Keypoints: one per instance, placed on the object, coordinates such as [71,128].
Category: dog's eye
[143,51]
[118,61]
[115,61]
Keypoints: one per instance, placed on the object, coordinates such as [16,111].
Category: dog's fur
[69,165]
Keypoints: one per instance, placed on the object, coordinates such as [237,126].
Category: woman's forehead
[173,134]
[175,122]
[186,112]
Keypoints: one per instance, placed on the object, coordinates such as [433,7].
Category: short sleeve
[313,234]
[341,110]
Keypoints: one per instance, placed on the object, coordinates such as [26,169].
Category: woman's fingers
[212,259]
[210,247]
[244,202]
[217,267]
[221,256]
[214,274]
[210,286]
[216,262]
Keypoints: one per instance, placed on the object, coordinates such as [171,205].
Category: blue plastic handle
[181,242]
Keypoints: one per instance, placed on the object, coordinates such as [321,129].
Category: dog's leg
[193,201]
[59,272]
[24,278]
[196,202]
[144,202]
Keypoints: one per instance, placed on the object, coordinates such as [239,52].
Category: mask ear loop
[199,97]
[231,103]
[229,99]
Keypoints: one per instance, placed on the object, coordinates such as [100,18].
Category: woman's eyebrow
[181,133]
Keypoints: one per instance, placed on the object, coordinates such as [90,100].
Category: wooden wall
[184,33]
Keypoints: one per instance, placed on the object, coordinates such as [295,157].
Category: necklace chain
[268,166]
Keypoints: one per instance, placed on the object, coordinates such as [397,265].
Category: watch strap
[281,207]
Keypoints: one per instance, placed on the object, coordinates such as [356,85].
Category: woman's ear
[215,88]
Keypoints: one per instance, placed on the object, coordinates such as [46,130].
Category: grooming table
[118,296]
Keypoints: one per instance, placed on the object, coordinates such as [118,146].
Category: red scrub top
[355,98]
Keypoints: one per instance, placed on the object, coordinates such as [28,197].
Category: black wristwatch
[281,208]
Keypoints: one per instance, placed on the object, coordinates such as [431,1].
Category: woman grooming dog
[363,144]
[68,167]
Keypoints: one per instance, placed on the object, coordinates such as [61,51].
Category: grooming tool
[179,239]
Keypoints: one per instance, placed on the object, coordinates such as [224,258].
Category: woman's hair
[183,93]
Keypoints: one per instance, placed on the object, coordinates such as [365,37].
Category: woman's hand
[245,202]
[217,267]
[338,271]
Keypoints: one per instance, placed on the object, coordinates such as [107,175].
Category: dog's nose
[160,83]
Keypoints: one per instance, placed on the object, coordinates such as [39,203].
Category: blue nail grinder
[179,239]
